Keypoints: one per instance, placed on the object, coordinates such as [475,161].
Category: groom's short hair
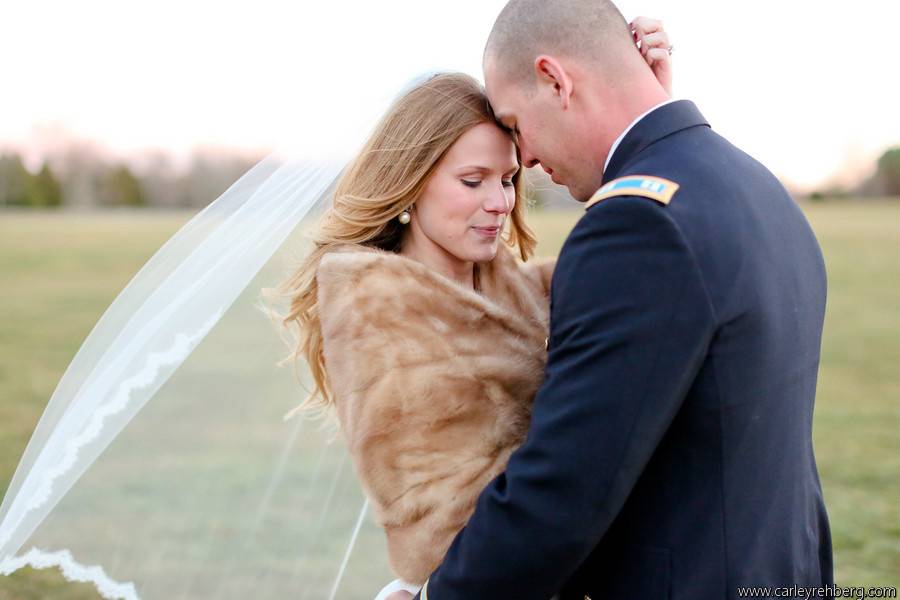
[592,30]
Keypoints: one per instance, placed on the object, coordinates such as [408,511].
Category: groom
[670,452]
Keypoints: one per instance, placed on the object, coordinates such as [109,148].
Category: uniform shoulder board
[655,188]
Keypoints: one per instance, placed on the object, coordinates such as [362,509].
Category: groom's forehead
[504,96]
[500,105]
[495,82]
[504,111]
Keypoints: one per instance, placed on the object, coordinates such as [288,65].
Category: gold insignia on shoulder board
[655,188]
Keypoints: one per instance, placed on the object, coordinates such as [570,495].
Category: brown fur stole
[433,385]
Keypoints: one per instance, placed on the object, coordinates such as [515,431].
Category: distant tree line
[20,187]
[888,173]
[885,181]
[81,176]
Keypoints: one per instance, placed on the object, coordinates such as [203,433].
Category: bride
[423,331]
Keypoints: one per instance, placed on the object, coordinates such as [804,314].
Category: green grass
[59,272]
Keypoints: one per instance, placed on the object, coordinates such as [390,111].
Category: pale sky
[808,87]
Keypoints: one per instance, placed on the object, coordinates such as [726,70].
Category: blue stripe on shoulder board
[647,186]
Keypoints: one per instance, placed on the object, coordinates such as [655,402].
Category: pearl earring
[404,217]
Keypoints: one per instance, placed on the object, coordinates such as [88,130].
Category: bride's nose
[497,200]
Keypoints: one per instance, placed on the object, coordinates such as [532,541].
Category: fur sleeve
[541,269]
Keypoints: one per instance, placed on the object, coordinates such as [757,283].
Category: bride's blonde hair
[387,177]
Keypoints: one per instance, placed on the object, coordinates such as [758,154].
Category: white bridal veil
[162,467]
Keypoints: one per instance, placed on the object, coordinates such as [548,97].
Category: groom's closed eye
[513,129]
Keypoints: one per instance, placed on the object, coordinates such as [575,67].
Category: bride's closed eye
[475,184]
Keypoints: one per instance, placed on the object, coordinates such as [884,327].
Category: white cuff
[395,585]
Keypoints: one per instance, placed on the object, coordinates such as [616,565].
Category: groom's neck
[617,108]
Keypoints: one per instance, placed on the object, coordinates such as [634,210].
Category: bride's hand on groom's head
[653,42]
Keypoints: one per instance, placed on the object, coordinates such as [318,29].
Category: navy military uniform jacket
[670,450]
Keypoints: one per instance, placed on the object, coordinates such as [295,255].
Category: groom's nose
[528,159]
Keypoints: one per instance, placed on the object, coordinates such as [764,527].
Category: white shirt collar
[616,143]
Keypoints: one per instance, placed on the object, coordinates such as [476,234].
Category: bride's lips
[489,232]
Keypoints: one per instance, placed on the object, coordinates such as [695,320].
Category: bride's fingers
[661,64]
[660,39]
[643,26]
[658,58]
[653,41]
[646,24]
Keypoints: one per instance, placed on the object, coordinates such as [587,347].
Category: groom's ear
[553,76]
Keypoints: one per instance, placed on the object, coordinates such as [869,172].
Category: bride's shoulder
[340,252]
[348,259]
[343,254]
[365,276]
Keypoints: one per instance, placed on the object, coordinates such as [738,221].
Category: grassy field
[59,272]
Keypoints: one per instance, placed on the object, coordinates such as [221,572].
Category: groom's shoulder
[644,186]
[638,207]
[633,200]
[633,206]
